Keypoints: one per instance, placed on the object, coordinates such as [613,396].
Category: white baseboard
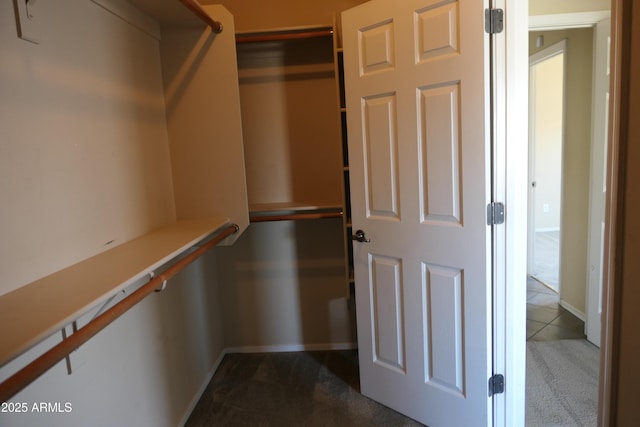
[546,229]
[571,309]
[200,392]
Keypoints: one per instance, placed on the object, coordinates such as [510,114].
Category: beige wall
[289,116]
[576,162]
[83,153]
[286,287]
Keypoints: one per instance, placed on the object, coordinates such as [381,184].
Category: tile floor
[546,256]
[546,320]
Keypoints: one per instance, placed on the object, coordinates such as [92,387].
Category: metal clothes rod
[283,36]
[42,364]
[294,216]
[194,6]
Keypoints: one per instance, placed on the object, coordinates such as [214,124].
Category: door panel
[387,310]
[382,156]
[440,160]
[416,85]
[437,31]
[443,329]
[377,48]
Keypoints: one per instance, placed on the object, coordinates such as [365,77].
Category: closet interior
[245,128]
[296,246]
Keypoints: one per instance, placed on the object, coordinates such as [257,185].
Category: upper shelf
[285,34]
[35,311]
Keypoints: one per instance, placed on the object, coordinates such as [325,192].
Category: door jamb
[511,69]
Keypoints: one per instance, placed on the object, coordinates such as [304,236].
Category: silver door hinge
[493,21]
[496,384]
[495,213]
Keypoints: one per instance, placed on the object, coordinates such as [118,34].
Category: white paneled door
[417,85]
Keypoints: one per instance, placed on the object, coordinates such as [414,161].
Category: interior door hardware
[360,237]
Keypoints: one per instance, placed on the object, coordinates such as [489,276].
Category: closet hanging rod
[46,361]
[295,216]
[194,6]
[283,35]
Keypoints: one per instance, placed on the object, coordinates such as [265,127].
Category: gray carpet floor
[562,383]
[321,389]
[290,389]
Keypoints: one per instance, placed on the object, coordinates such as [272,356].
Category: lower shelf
[292,211]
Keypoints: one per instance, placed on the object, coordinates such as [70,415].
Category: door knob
[360,237]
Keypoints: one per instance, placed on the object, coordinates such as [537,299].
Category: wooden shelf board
[282,72]
[37,310]
[283,34]
[265,208]
[290,211]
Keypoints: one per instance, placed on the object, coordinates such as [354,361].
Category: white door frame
[511,70]
[564,21]
[511,67]
[598,184]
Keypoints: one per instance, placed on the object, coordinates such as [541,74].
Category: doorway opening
[546,141]
[564,242]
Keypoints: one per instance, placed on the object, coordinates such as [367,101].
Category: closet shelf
[291,71]
[35,311]
[284,34]
[265,212]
